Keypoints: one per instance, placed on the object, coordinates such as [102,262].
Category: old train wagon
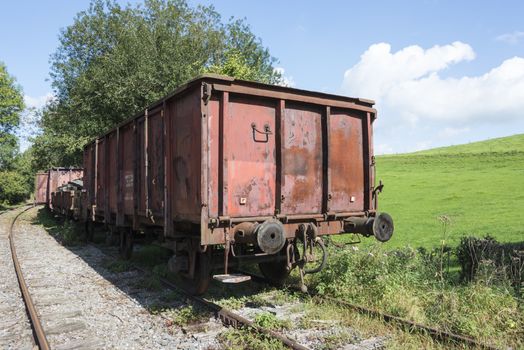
[66,200]
[231,171]
[47,182]
[40,195]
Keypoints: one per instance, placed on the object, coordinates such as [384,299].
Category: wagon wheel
[202,276]
[89,230]
[276,271]
[126,243]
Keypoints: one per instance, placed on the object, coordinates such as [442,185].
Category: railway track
[227,316]
[435,333]
[15,326]
[37,301]
[40,338]
[63,325]
[234,319]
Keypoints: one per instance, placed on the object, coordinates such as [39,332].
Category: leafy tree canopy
[113,61]
[11,106]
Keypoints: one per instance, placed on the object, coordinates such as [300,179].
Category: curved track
[40,337]
[16,331]
[51,316]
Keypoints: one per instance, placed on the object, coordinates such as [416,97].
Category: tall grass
[417,285]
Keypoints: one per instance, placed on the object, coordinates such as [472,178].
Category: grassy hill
[478,188]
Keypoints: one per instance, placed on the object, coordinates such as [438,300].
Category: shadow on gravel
[148,291]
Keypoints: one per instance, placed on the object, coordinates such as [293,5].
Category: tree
[13,185]
[11,106]
[114,61]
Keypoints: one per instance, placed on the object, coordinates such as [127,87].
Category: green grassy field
[478,187]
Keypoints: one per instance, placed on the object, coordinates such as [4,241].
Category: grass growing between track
[415,285]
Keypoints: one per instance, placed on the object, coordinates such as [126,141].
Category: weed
[270,321]
[336,340]
[247,338]
[151,256]
[233,303]
[160,270]
[409,284]
[187,315]
[117,266]
[151,282]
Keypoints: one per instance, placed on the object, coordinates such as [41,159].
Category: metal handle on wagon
[267,131]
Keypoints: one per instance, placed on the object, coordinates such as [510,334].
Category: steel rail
[435,333]
[228,317]
[38,331]
[235,320]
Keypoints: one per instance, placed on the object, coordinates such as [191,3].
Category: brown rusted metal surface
[155,163]
[185,164]
[101,183]
[41,187]
[221,151]
[302,161]
[346,161]
[112,175]
[251,166]
[127,173]
[58,177]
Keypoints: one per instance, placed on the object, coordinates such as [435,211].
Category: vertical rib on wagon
[248,169]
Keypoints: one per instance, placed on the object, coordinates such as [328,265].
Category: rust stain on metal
[41,187]
[223,148]
[346,161]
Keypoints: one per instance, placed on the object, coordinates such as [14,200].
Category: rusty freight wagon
[228,171]
[66,200]
[47,182]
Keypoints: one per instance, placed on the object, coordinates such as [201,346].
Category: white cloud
[382,148]
[286,79]
[379,71]
[511,38]
[413,98]
[451,132]
[39,101]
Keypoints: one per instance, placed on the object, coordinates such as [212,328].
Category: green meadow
[445,193]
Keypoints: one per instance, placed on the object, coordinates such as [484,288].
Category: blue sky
[442,72]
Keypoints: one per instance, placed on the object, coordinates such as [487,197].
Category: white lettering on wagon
[128,183]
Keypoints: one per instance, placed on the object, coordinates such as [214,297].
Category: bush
[412,284]
[13,187]
[491,262]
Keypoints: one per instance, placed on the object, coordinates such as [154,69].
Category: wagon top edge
[226,83]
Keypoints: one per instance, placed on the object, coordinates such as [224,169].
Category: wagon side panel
[249,156]
[112,171]
[127,173]
[141,165]
[155,165]
[101,186]
[40,187]
[185,166]
[302,159]
[346,161]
